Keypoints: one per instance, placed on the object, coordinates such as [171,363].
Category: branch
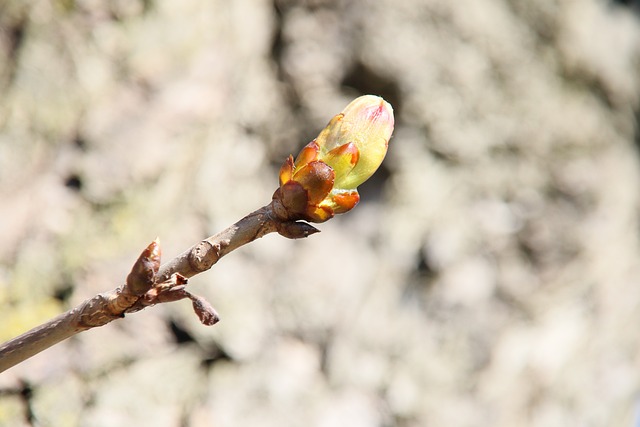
[203,255]
[319,184]
[150,284]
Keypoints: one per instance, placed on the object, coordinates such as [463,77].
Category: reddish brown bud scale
[141,277]
[317,178]
[294,198]
[286,170]
[319,213]
[308,154]
[345,201]
[343,159]
[349,151]
[153,254]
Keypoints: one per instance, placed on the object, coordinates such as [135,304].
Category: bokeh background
[490,275]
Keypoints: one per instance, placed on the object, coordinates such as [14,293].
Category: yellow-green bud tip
[366,122]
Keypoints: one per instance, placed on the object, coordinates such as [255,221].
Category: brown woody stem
[137,293]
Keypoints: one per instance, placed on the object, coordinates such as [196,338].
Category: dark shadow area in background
[210,352]
[634,4]
[12,35]
[636,135]
[24,392]
[367,81]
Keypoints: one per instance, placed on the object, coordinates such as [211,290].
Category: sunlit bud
[367,123]
[142,275]
[323,179]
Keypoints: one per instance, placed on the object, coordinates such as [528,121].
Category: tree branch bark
[150,283]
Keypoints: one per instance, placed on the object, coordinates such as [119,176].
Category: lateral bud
[141,277]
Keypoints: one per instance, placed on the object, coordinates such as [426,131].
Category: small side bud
[141,277]
[296,230]
[205,311]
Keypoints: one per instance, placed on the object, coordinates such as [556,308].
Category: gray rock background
[490,275]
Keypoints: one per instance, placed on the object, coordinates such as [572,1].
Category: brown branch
[320,183]
[149,284]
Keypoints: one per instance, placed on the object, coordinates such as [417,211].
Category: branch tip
[295,229]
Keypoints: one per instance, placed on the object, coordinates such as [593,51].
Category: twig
[149,284]
[203,255]
[320,183]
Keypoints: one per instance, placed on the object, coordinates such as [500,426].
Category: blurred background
[490,275]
